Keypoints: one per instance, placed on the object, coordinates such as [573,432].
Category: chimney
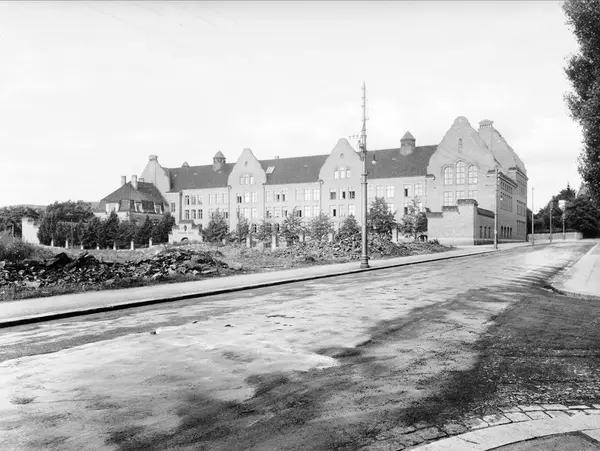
[134,182]
[218,161]
[153,158]
[407,144]
[486,123]
[123,180]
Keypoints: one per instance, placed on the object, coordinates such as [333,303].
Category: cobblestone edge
[402,438]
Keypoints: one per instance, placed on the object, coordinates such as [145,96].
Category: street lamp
[364,257]
[562,205]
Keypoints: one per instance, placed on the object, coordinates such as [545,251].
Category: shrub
[320,226]
[216,229]
[381,219]
[292,227]
[13,249]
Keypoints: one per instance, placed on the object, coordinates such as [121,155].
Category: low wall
[556,236]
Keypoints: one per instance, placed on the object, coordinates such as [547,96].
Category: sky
[88,90]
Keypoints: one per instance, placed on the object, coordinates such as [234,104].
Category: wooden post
[67,243]
[248,241]
[395,234]
[150,242]
[52,242]
[114,245]
[274,241]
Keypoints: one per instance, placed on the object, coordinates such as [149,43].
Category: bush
[216,229]
[320,226]
[13,249]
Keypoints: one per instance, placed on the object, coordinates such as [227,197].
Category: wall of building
[29,231]
[247,191]
[305,197]
[155,174]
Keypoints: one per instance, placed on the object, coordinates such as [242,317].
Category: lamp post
[551,208]
[532,220]
[364,257]
[562,204]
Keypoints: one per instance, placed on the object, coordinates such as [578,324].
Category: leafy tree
[93,234]
[144,232]
[242,229]
[380,218]
[582,216]
[264,230]
[111,229]
[47,229]
[349,229]
[10,218]
[414,223]
[584,102]
[292,226]
[320,226]
[70,211]
[217,227]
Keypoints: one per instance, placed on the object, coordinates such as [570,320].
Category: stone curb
[558,283]
[421,436]
[152,301]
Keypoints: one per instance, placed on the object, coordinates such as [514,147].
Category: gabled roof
[146,192]
[199,177]
[294,170]
[390,163]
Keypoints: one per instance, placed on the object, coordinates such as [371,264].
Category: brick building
[454,181]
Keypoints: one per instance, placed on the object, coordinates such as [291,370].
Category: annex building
[455,181]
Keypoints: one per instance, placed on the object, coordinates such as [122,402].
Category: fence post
[274,240]
[114,245]
[248,241]
[66,244]
[150,242]
[132,245]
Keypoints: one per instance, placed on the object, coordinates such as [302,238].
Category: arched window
[461,169]
[448,175]
[472,176]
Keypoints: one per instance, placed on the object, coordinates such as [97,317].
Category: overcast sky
[89,89]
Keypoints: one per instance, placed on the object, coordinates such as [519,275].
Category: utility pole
[532,221]
[497,209]
[551,208]
[364,258]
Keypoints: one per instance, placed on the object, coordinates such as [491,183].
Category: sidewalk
[583,278]
[13,313]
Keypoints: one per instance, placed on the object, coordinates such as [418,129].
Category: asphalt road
[322,365]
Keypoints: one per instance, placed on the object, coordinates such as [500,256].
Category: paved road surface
[317,365]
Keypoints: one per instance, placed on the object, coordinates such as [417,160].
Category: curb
[428,437]
[559,283]
[146,302]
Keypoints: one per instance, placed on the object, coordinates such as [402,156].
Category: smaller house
[133,201]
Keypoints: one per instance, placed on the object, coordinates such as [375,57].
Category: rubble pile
[85,270]
[350,248]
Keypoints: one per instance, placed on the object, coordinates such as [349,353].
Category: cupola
[407,144]
[218,161]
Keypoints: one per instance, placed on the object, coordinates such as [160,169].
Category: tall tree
[217,227]
[70,211]
[292,226]
[320,226]
[414,223]
[583,70]
[380,219]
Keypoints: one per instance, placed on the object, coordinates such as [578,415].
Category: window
[246,197]
[251,180]
[276,212]
[342,173]
[316,210]
[407,190]
[307,211]
[316,194]
[284,212]
[186,200]
[246,179]
[254,197]
[200,214]
[351,210]
[348,173]
[307,193]
[270,169]
[187,214]
[193,214]
[418,189]
[241,179]
[239,198]
[448,175]
[406,208]
[268,212]
[472,175]
[391,208]
[379,190]
[342,193]
[210,199]
[283,195]
[246,213]
[269,196]
[254,213]
[332,194]
[172,206]
[333,211]
[193,199]
[461,168]
[460,195]
[421,206]
[199,200]
[351,193]
[224,198]
[298,194]
[447,198]
[389,191]
[480,231]
[298,212]
[277,197]
[336,174]
[342,211]
[473,194]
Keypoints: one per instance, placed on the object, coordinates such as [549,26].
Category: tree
[242,229]
[584,101]
[47,229]
[414,223]
[217,228]
[582,216]
[111,229]
[264,230]
[93,234]
[349,229]
[292,226]
[380,219]
[10,218]
[144,232]
[320,226]
[161,230]
[70,211]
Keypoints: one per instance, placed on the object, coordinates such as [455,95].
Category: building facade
[456,177]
